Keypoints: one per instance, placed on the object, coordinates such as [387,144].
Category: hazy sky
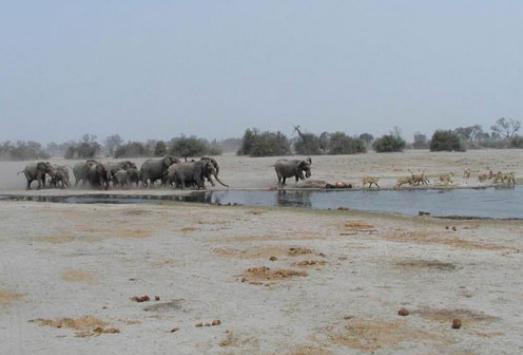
[156,69]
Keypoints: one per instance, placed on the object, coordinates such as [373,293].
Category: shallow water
[483,203]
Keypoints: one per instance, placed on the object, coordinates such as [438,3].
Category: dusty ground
[244,172]
[254,281]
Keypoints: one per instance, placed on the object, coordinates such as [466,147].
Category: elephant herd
[167,171]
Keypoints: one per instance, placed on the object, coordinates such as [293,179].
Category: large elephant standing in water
[288,168]
[191,174]
[37,171]
[216,169]
[155,169]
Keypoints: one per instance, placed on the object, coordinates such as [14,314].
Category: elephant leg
[29,181]
[283,180]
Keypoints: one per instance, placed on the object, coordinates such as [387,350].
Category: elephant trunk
[218,179]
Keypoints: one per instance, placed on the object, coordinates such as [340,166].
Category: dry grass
[416,264]
[57,239]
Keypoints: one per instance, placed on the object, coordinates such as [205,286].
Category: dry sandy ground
[272,281]
[244,172]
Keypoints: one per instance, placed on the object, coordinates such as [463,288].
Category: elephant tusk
[218,179]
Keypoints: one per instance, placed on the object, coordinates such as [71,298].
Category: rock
[403,312]
[156,298]
[273,258]
[456,324]
[144,298]
[175,329]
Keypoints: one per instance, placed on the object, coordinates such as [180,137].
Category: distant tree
[506,128]
[307,144]
[112,142]
[131,150]
[88,138]
[420,141]
[192,147]
[516,141]
[340,143]
[22,151]
[160,149]
[367,138]
[446,141]
[390,142]
[258,144]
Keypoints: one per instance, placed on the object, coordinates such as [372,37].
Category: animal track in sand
[83,326]
[259,275]
[416,264]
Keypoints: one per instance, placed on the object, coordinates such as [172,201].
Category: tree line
[503,134]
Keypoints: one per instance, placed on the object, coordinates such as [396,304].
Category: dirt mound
[426,264]
[264,274]
[371,335]
[84,326]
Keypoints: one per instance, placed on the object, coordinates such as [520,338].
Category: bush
[340,143]
[257,144]
[85,150]
[420,141]
[22,151]
[446,141]
[516,142]
[131,150]
[160,149]
[389,143]
[192,147]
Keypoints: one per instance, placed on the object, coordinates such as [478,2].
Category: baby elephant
[60,177]
[292,168]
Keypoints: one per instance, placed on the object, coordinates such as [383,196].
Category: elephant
[133,176]
[36,171]
[60,176]
[98,176]
[121,178]
[154,169]
[216,168]
[191,174]
[80,171]
[288,168]
[113,167]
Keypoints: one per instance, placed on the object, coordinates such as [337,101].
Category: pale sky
[156,69]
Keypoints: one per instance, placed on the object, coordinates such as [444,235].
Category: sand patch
[371,335]
[83,326]
[136,212]
[286,237]
[447,315]
[309,350]
[78,276]
[163,307]
[57,239]
[188,229]
[7,297]
[163,262]
[257,275]
[234,340]
[103,233]
[433,238]
[263,252]
[416,264]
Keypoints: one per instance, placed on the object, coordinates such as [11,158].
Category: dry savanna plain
[262,280]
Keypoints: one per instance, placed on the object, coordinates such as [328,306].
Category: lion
[446,179]
[418,179]
[509,179]
[404,180]
[371,180]
[467,173]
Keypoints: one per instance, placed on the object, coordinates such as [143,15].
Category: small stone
[456,324]
[403,312]
[175,329]
[273,258]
